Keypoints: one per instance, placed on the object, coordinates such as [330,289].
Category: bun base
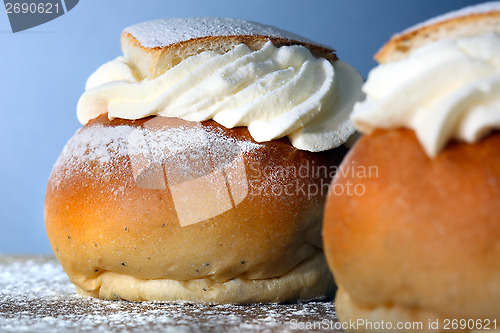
[310,279]
[420,236]
[163,233]
[392,315]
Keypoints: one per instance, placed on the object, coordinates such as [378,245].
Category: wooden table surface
[36,296]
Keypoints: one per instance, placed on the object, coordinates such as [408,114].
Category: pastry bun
[216,218]
[418,241]
[163,208]
[208,215]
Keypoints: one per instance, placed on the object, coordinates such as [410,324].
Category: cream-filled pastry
[416,246]
[199,172]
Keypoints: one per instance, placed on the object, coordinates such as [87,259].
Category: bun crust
[423,238]
[467,22]
[105,227]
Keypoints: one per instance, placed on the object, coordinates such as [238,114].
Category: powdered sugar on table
[36,296]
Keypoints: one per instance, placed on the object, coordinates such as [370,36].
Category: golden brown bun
[466,22]
[115,230]
[420,239]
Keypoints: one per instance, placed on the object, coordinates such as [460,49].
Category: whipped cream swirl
[449,89]
[275,92]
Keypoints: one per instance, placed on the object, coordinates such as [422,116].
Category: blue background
[44,69]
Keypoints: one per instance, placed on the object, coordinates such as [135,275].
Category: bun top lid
[168,31]
[464,22]
[163,41]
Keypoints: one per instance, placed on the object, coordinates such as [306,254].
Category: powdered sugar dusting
[163,32]
[180,143]
[102,143]
[36,296]
[158,140]
[482,8]
[93,146]
[98,143]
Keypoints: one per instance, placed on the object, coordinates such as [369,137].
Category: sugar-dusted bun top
[168,31]
[160,44]
[466,22]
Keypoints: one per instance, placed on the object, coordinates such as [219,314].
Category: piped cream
[274,91]
[446,90]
